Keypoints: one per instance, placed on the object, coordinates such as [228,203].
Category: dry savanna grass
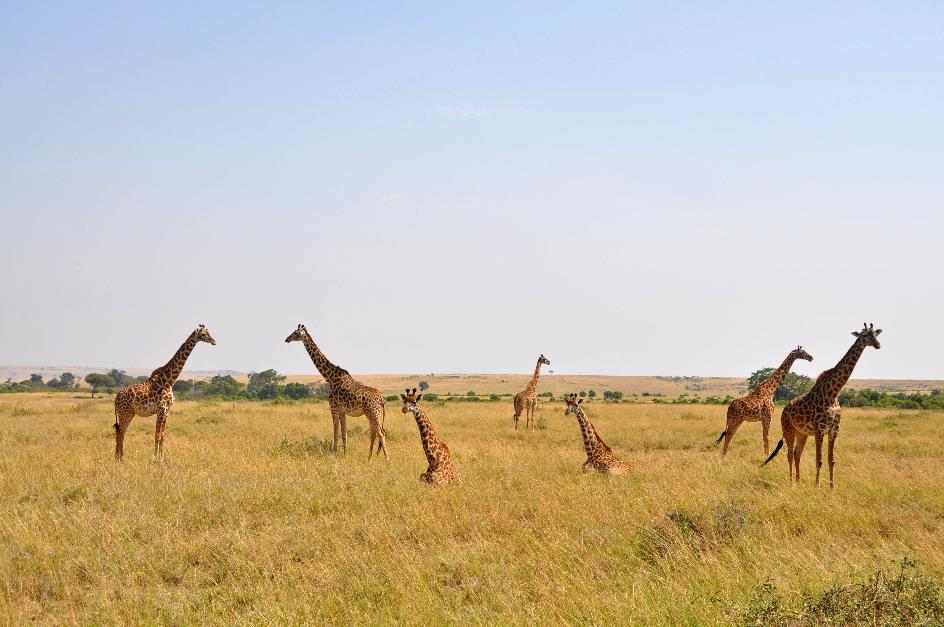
[251,519]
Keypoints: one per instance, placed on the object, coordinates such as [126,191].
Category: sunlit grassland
[250,518]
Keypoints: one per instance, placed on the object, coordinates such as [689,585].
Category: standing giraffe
[527,399]
[599,456]
[348,397]
[817,412]
[759,404]
[440,470]
[154,396]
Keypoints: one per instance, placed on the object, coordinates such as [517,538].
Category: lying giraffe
[154,396]
[348,397]
[759,404]
[599,456]
[441,469]
[817,412]
[527,399]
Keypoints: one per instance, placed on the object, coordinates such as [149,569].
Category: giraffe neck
[328,370]
[768,388]
[591,441]
[169,372]
[838,376]
[533,385]
[427,434]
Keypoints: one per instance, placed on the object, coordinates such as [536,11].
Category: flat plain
[252,519]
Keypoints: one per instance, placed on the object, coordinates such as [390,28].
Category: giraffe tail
[774,454]
[721,437]
[116,420]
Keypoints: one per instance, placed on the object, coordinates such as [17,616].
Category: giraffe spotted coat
[599,455]
[441,470]
[817,413]
[154,396]
[527,399]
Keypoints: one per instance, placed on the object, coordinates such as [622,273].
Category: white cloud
[390,196]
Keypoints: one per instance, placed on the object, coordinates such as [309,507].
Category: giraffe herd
[816,413]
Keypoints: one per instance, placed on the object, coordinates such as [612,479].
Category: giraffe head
[298,334]
[410,400]
[544,360]
[203,335]
[573,404]
[869,334]
[799,353]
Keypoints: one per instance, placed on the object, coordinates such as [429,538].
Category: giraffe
[759,404]
[599,456]
[441,469]
[348,397]
[527,399]
[817,412]
[154,396]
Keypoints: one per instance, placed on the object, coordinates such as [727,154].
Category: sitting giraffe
[527,399]
[441,469]
[154,396]
[599,456]
[348,397]
[817,412]
[759,404]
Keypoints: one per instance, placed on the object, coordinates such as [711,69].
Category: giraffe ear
[402,397]
[878,331]
[580,402]
[855,333]
[419,398]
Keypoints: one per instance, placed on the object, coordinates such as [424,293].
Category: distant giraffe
[759,404]
[348,397]
[817,412]
[527,399]
[154,396]
[599,456]
[441,469]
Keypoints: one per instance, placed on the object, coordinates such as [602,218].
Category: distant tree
[296,390]
[65,381]
[582,394]
[258,380]
[120,377]
[591,393]
[429,396]
[612,395]
[36,379]
[99,380]
[793,384]
[219,385]
[182,386]
[470,393]
[424,385]
[494,397]
[322,389]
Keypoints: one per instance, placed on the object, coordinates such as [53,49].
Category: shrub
[296,391]
[494,397]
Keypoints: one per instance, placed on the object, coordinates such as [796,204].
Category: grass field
[250,519]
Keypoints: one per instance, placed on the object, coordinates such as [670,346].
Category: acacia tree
[793,384]
[99,380]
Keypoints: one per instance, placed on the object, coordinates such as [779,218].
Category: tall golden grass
[251,519]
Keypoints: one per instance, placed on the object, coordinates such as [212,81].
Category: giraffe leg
[819,454]
[123,418]
[733,424]
[376,431]
[159,434]
[789,440]
[800,443]
[765,422]
[336,414]
[829,452]
[343,432]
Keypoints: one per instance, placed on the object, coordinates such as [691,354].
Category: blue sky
[630,189]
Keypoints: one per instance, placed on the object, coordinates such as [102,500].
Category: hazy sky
[682,190]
